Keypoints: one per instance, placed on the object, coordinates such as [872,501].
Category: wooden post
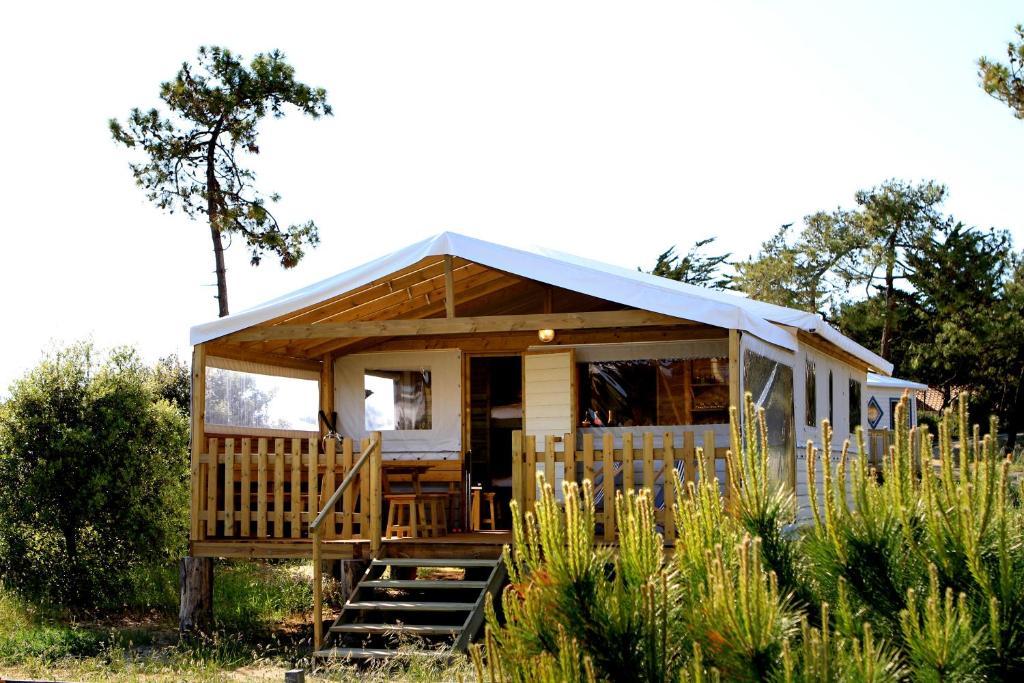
[735,400]
[627,463]
[318,616]
[376,492]
[246,491]
[530,484]
[326,391]
[649,462]
[449,288]
[278,488]
[517,470]
[261,489]
[608,485]
[312,482]
[709,454]
[229,487]
[570,458]
[295,489]
[588,457]
[549,461]
[211,489]
[668,468]
[196,573]
[689,458]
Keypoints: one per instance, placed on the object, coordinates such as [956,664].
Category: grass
[263,612]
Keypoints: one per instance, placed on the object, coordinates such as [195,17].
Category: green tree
[191,160]
[1005,82]
[93,477]
[801,271]
[695,267]
[896,218]
[174,383]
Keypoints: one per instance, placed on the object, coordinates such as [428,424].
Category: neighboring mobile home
[466,363]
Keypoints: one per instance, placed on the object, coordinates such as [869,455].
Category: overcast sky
[609,130]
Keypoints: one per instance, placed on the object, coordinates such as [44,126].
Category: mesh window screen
[771,385]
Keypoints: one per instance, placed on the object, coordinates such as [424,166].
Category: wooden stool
[475,511]
[402,516]
[434,514]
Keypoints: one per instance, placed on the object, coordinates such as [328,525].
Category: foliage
[1005,82]
[695,267]
[93,469]
[914,575]
[801,272]
[191,160]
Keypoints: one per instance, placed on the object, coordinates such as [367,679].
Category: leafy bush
[93,478]
[915,573]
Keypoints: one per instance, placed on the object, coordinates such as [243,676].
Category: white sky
[609,130]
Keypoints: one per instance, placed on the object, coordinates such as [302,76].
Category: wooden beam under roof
[413,301]
[497,285]
[449,288]
[469,325]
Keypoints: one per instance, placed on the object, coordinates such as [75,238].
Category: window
[855,419]
[397,400]
[831,401]
[893,402]
[668,391]
[247,399]
[771,385]
[811,394]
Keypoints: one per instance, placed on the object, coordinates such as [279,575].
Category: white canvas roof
[602,280]
[884,382]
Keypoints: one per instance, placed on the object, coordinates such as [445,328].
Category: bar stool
[434,514]
[402,521]
[488,498]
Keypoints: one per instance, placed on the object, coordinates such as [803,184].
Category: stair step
[422,583]
[417,606]
[416,629]
[433,562]
[376,653]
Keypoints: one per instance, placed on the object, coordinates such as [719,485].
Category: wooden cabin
[452,371]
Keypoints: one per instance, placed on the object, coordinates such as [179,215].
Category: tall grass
[915,572]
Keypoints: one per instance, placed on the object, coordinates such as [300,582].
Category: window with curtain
[810,394]
[397,399]
[770,383]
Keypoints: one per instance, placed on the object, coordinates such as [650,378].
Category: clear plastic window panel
[854,405]
[397,400]
[245,399]
[811,395]
[643,393]
[771,385]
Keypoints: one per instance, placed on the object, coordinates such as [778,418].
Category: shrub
[913,573]
[93,478]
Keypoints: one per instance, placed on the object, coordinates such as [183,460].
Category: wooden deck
[477,544]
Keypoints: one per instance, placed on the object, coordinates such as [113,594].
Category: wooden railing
[637,464]
[878,442]
[367,468]
[261,488]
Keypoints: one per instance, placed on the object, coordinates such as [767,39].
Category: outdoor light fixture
[546,335]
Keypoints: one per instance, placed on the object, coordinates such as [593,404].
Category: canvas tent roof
[884,382]
[612,283]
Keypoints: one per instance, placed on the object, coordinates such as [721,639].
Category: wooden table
[414,468]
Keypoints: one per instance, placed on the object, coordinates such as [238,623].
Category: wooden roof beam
[468,325]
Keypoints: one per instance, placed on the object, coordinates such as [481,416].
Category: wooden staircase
[414,606]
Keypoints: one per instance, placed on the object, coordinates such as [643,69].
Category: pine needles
[912,573]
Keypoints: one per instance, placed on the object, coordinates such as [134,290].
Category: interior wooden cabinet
[693,391]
